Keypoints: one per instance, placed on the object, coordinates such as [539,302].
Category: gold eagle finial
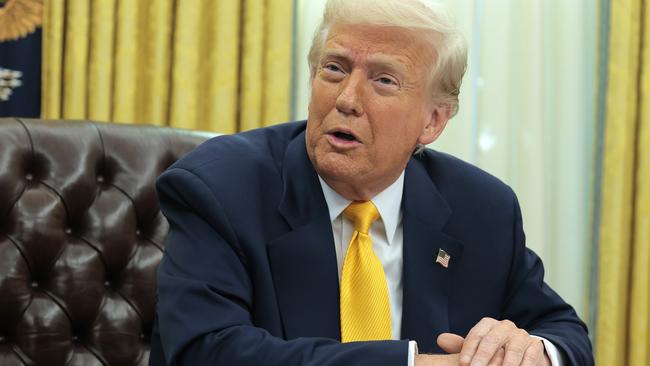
[18,18]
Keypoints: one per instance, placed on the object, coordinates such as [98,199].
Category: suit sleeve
[534,306]
[205,294]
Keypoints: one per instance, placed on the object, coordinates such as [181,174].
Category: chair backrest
[81,236]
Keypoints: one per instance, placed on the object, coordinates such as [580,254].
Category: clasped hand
[489,343]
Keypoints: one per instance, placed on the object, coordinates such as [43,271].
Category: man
[331,243]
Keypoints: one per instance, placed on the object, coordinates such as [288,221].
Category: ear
[436,123]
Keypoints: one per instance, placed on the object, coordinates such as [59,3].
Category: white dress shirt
[387,242]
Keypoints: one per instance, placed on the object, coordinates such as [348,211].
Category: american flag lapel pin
[443,258]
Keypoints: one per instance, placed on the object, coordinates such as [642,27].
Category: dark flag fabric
[20,57]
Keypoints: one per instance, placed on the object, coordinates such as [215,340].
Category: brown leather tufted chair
[81,236]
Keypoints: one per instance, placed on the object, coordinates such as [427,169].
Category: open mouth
[344,136]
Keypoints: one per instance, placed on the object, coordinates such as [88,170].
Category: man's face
[370,106]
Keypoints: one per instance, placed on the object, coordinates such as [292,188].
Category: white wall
[526,115]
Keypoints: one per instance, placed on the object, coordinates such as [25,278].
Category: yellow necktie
[365,307]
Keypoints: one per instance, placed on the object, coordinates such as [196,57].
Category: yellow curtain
[220,65]
[623,324]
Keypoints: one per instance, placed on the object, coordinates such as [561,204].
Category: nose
[349,100]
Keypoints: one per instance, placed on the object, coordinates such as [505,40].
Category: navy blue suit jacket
[249,276]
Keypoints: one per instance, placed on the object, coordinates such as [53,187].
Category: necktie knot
[362,214]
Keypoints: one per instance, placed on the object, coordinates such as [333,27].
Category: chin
[333,166]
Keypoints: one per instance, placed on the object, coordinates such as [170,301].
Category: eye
[387,81]
[332,71]
[332,67]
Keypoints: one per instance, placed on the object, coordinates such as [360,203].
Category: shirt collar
[388,203]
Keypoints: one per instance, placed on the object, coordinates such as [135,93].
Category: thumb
[450,343]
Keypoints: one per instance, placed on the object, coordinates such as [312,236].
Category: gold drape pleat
[276,47]
[220,65]
[52,80]
[623,323]
[101,62]
[75,60]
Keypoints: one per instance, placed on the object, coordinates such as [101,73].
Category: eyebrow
[374,61]
[387,62]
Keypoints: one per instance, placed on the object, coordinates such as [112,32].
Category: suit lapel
[426,284]
[303,261]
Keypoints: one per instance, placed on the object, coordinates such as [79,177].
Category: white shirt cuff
[413,350]
[554,354]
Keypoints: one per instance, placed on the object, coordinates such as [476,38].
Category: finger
[497,360]
[534,354]
[474,338]
[496,338]
[450,343]
[519,341]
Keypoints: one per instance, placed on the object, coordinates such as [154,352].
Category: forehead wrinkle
[405,45]
[337,52]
